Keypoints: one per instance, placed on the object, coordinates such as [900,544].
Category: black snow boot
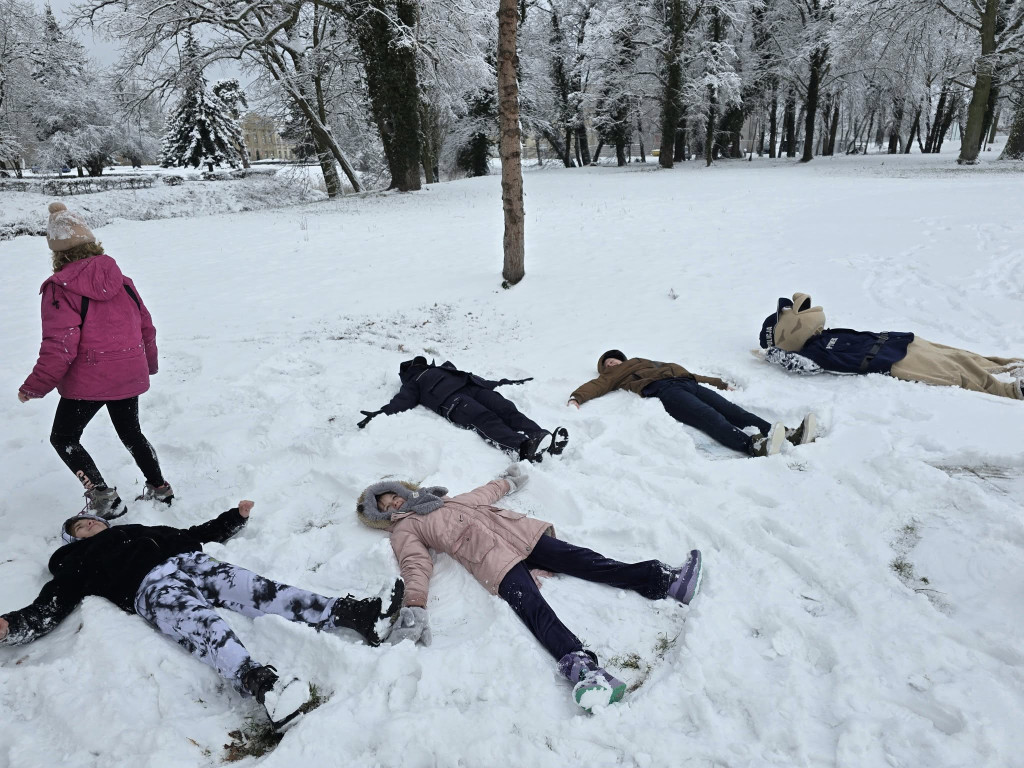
[560,439]
[533,448]
[259,679]
[363,615]
[284,699]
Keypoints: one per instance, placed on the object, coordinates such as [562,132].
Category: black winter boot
[533,448]
[259,679]
[362,615]
[560,440]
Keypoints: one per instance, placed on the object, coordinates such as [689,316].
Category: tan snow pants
[951,367]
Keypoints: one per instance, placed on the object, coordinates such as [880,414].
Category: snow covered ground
[862,597]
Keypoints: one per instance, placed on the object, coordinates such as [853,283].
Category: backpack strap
[128,289]
[130,292]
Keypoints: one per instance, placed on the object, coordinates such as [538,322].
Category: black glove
[503,382]
[369,415]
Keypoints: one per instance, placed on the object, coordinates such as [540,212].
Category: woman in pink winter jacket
[499,547]
[98,349]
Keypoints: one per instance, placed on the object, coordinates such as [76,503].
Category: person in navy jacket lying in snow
[470,401]
[795,337]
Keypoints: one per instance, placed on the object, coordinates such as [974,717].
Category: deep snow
[805,647]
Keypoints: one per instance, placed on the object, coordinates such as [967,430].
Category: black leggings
[70,421]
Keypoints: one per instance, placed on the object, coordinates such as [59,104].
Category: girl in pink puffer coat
[98,349]
[499,547]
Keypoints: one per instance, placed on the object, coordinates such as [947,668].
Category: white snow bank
[861,605]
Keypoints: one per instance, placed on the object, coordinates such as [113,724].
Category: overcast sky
[103,51]
[106,52]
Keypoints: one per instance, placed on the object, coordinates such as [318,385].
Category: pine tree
[56,58]
[201,129]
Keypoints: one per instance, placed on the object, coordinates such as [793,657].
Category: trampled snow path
[862,599]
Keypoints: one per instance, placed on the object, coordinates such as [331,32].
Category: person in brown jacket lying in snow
[687,399]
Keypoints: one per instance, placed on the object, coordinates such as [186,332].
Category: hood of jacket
[410,368]
[617,354]
[792,324]
[97,277]
[420,501]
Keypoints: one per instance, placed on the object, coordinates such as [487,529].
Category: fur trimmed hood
[65,528]
[421,501]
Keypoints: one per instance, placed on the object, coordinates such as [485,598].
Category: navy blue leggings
[702,408]
[495,419]
[651,578]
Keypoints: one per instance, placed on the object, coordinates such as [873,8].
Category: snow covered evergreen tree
[201,129]
[77,122]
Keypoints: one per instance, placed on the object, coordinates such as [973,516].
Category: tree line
[399,92]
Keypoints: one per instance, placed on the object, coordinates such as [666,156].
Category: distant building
[263,140]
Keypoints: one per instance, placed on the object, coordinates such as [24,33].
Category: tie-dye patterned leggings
[178,597]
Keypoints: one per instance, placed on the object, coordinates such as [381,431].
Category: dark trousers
[702,408]
[70,421]
[494,418]
[651,578]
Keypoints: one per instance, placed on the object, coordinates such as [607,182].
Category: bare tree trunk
[672,93]
[915,127]
[789,124]
[556,144]
[867,136]
[929,142]
[995,125]
[540,160]
[640,138]
[509,146]
[953,107]
[709,141]
[582,146]
[818,57]
[970,142]
[897,125]
[990,112]
[833,128]
[773,122]
[1014,149]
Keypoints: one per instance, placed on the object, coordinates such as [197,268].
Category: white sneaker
[776,437]
[806,433]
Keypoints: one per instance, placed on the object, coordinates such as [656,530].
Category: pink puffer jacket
[486,540]
[109,356]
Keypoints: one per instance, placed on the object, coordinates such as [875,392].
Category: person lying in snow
[98,349]
[469,401]
[795,337]
[161,574]
[686,399]
[499,547]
